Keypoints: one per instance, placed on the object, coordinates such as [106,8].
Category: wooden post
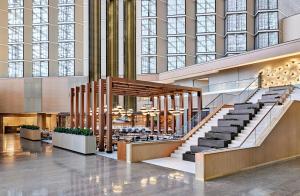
[166,113]
[72,107]
[199,102]
[82,89]
[94,107]
[88,105]
[109,102]
[77,89]
[190,110]
[181,116]
[158,116]
[101,115]
[152,117]
[173,117]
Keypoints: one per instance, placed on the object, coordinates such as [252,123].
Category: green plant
[31,127]
[74,131]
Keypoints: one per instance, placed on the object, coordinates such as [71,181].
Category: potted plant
[30,132]
[75,139]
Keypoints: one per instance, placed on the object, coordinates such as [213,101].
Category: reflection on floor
[35,168]
[113,155]
[173,163]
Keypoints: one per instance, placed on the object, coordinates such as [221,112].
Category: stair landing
[173,163]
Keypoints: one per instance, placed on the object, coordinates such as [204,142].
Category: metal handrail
[269,111]
[198,114]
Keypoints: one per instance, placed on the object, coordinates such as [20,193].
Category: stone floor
[35,168]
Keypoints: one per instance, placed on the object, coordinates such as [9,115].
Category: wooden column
[109,102]
[181,116]
[190,110]
[88,105]
[72,107]
[152,117]
[158,116]
[77,89]
[166,113]
[199,105]
[101,115]
[94,107]
[173,117]
[82,90]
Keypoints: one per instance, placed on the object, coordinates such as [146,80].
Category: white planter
[76,143]
[34,135]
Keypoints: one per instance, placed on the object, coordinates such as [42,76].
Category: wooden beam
[173,117]
[109,101]
[152,117]
[190,111]
[82,89]
[158,116]
[77,89]
[88,105]
[101,115]
[199,105]
[181,116]
[166,126]
[72,107]
[94,107]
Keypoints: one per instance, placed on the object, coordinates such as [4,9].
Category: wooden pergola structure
[87,97]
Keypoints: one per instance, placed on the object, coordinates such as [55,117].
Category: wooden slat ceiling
[138,88]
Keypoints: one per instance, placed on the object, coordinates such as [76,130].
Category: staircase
[235,127]
[199,133]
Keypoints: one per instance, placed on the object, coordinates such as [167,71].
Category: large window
[149,39]
[266,39]
[149,26]
[236,5]
[236,42]
[15,38]
[176,25]
[206,24]
[148,8]
[66,37]
[206,6]
[236,22]
[176,45]
[175,62]
[267,21]
[148,64]
[266,4]
[40,38]
[176,7]
[206,43]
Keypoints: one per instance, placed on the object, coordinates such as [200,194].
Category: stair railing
[219,101]
[266,122]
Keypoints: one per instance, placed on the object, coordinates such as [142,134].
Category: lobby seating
[235,121]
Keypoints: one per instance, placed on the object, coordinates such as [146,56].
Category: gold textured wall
[281,73]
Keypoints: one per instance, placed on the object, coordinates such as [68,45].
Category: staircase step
[175,155]
[221,136]
[240,106]
[213,143]
[225,122]
[189,156]
[196,149]
[244,111]
[233,129]
[238,116]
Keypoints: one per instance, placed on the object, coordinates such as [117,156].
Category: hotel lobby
[148,97]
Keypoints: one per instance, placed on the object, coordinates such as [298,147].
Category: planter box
[76,143]
[34,135]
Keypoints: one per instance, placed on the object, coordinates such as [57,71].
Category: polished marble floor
[35,168]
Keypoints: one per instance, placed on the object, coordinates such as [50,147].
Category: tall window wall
[235,26]
[149,36]
[15,38]
[176,34]
[266,23]
[40,38]
[66,37]
[206,30]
